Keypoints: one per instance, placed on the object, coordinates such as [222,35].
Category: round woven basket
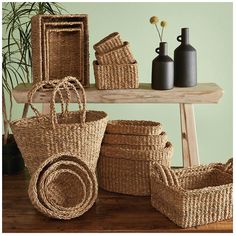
[136,127]
[109,43]
[120,55]
[127,171]
[139,140]
[79,132]
[63,187]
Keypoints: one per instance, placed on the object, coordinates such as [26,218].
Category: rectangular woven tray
[116,76]
[38,43]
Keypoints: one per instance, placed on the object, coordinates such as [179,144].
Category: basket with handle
[108,43]
[193,196]
[79,132]
[63,187]
[127,170]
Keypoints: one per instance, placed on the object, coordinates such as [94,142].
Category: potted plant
[17,67]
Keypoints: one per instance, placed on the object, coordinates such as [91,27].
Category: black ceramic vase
[185,62]
[162,69]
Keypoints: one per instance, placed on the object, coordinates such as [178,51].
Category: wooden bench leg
[25,110]
[45,108]
[189,136]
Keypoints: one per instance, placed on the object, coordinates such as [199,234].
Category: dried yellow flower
[154,20]
[163,23]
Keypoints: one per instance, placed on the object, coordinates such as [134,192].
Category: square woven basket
[193,196]
[39,50]
[116,76]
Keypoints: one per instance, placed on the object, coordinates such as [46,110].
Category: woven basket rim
[95,63]
[106,39]
[133,123]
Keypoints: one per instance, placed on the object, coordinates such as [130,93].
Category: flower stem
[158,32]
[162,33]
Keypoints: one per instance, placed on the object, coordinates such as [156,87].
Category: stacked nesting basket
[128,149]
[115,67]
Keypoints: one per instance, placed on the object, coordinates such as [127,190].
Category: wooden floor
[111,213]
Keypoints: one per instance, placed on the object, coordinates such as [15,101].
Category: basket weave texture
[125,157]
[193,196]
[116,76]
[63,187]
[79,132]
[109,43]
[79,65]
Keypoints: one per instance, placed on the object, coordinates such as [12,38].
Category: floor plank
[111,213]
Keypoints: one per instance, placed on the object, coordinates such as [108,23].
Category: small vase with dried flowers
[162,65]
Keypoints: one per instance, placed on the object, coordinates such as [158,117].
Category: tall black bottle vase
[162,69]
[185,62]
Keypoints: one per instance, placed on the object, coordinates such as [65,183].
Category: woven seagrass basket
[140,140]
[127,171]
[114,76]
[193,196]
[108,43]
[120,55]
[135,127]
[63,187]
[79,132]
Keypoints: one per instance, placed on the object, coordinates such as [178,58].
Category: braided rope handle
[81,100]
[165,174]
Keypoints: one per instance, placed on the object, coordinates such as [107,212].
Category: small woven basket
[42,136]
[63,187]
[140,140]
[193,196]
[120,55]
[116,76]
[109,43]
[133,127]
[127,170]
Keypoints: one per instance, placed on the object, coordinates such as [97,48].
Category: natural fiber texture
[79,132]
[116,76]
[136,127]
[109,43]
[63,187]
[40,70]
[137,140]
[120,55]
[127,170]
[193,196]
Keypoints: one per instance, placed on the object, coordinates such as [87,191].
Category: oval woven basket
[139,140]
[63,187]
[108,43]
[120,55]
[127,170]
[79,132]
[136,127]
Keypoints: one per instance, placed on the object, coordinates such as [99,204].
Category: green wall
[210,33]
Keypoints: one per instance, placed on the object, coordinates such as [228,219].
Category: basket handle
[166,175]
[38,86]
[229,166]
[67,83]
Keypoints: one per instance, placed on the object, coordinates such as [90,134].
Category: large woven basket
[120,55]
[193,196]
[108,43]
[63,187]
[127,171]
[134,127]
[42,136]
[116,76]
[140,140]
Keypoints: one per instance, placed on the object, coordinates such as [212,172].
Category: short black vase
[162,69]
[185,62]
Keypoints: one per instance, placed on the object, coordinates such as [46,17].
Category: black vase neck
[163,49]
[184,37]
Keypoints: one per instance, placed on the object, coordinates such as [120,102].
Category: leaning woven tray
[120,55]
[140,140]
[136,127]
[108,43]
[123,76]
[127,170]
[193,196]
[63,187]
